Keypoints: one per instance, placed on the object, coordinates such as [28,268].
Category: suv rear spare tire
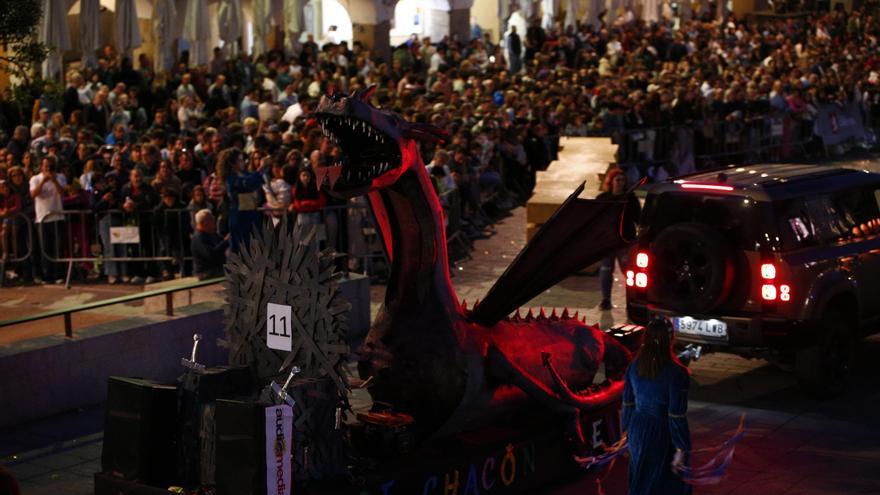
[693,268]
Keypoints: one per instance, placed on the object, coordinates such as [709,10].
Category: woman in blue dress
[242,191]
[655,400]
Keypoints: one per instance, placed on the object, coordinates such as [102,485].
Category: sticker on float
[279,327]
[279,438]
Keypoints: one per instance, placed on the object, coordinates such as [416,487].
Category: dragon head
[377,146]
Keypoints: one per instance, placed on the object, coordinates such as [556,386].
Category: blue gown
[242,223]
[654,418]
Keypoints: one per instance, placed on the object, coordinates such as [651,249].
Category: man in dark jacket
[208,248]
[97,113]
[18,145]
[70,97]
[514,51]
[535,37]
[171,223]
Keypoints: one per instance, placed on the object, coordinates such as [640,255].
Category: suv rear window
[742,220]
[827,218]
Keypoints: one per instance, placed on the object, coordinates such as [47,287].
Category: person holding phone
[46,189]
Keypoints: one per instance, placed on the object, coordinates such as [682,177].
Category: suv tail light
[784,293]
[770,290]
[639,276]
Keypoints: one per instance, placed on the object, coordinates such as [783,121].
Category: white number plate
[704,328]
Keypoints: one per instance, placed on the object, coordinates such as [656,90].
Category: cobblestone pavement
[793,445]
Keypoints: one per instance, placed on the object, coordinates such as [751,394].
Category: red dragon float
[454,368]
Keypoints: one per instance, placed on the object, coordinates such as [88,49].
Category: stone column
[460,24]
[318,19]
[374,36]
[460,19]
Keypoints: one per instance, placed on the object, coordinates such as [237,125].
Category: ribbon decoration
[611,453]
[714,469]
[609,457]
[710,472]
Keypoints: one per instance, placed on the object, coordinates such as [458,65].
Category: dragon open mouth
[367,153]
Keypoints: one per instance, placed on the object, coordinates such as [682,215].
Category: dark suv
[777,261]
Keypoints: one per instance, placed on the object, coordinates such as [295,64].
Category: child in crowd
[277,191]
[308,200]
[198,202]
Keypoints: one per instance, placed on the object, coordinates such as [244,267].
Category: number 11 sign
[279,327]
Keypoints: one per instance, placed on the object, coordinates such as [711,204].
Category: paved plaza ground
[794,444]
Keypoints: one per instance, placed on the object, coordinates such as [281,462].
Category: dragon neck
[410,220]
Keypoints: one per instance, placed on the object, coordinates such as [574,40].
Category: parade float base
[528,455]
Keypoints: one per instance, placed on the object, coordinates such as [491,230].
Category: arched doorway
[336,22]
[409,20]
[421,18]
[328,21]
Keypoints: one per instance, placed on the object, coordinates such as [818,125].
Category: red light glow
[630,278]
[641,280]
[706,187]
[642,260]
[768,292]
[768,271]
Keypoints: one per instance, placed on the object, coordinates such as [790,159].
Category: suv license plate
[716,329]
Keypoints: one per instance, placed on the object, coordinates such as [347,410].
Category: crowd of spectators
[188,157]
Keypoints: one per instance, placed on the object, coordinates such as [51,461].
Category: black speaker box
[319,446]
[198,391]
[140,430]
[240,447]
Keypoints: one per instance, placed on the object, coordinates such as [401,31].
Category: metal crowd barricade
[361,235]
[713,143]
[18,231]
[116,239]
[121,243]
[451,201]
[348,228]
[142,243]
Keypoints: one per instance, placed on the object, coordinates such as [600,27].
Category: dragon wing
[580,232]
